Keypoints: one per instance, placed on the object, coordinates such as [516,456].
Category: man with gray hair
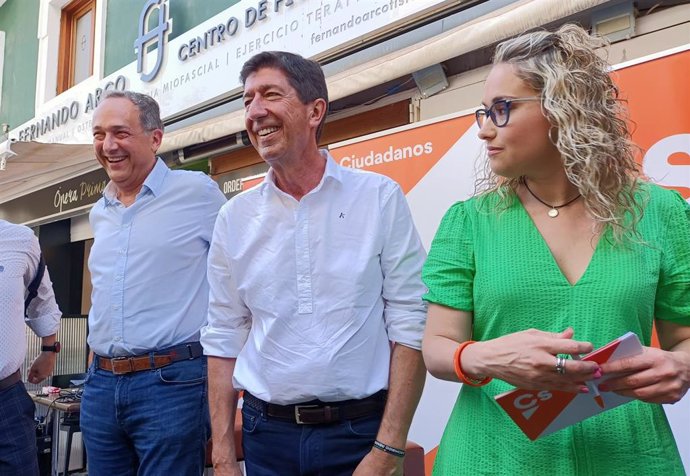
[144,409]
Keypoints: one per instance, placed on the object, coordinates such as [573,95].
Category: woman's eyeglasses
[499,112]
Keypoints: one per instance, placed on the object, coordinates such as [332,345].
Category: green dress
[496,265]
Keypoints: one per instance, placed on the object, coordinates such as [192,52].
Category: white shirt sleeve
[401,263]
[43,316]
[229,320]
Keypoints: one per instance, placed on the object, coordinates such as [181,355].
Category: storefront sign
[203,64]
[56,200]
[61,117]
[234,182]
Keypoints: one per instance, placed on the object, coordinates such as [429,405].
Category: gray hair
[149,112]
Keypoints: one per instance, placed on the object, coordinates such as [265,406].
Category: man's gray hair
[149,112]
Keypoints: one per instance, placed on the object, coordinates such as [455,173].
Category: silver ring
[560,365]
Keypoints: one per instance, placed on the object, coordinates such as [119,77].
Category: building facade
[390,64]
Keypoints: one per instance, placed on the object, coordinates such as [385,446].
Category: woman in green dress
[565,250]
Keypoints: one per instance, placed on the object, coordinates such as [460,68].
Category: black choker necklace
[553,212]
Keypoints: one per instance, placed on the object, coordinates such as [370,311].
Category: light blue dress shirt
[148,263]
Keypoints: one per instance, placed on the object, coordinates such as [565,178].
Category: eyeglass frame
[489,111]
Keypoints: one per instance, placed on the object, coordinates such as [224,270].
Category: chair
[414,459]
[70,421]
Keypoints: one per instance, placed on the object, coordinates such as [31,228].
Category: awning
[35,165]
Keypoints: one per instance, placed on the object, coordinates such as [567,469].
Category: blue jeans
[279,448]
[17,433]
[148,423]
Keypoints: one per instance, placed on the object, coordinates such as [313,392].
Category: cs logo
[156,35]
[527,403]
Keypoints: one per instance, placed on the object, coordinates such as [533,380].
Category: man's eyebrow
[115,128]
[262,89]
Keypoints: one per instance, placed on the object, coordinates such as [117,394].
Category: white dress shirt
[19,256]
[308,294]
[148,263]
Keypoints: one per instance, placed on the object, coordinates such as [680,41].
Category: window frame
[70,15]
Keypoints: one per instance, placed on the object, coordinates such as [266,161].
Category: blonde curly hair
[588,122]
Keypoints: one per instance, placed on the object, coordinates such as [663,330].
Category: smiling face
[123,148]
[279,125]
[522,147]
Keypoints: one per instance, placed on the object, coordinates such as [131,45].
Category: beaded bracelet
[474,382]
[389,449]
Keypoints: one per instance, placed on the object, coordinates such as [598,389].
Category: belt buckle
[298,418]
[119,359]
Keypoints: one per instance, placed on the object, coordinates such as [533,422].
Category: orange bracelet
[474,382]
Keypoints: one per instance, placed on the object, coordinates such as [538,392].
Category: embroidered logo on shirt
[342,215]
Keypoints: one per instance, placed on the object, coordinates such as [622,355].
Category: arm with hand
[656,375]
[43,365]
[43,317]
[223,338]
[406,381]
[525,359]
[222,401]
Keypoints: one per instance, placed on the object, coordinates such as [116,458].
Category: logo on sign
[147,38]
[528,403]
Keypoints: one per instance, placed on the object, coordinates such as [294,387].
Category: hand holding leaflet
[593,389]
[540,413]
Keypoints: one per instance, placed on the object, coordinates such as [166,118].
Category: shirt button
[116,307]
[118,339]
[122,251]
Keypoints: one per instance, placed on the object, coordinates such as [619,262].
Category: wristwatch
[51,348]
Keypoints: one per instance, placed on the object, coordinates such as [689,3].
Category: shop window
[77,33]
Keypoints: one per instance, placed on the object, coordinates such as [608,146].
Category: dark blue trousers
[17,433]
[280,448]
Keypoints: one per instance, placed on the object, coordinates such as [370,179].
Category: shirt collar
[153,182]
[331,172]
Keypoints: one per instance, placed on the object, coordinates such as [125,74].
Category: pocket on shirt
[12,269]
[12,284]
[186,372]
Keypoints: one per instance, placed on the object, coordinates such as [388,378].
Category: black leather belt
[10,380]
[151,360]
[317,412]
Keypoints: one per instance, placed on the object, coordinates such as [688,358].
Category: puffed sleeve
[449,269]
[673,291]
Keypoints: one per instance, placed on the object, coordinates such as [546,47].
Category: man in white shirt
[315,306]
[19,262]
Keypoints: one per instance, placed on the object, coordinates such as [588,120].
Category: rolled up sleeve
[229,320]
[402,259]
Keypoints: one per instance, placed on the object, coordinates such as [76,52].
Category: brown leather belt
[317,412]
[152,360]
[10,380]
